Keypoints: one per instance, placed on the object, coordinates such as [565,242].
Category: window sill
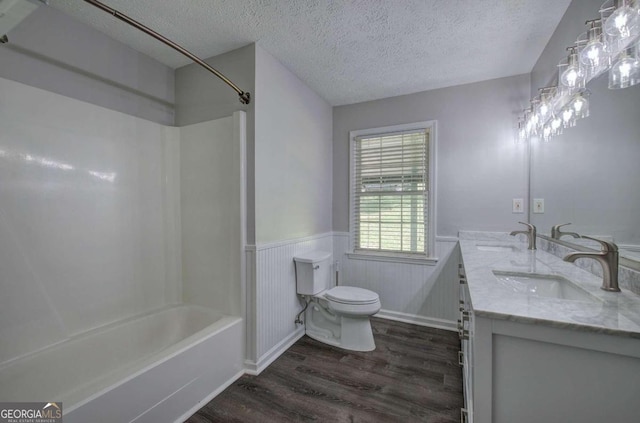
[393,258]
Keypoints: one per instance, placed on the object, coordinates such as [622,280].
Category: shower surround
[113,230]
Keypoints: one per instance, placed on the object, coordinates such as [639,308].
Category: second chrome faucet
[531,234]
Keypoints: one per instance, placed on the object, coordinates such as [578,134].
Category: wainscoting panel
[416,293]
[276,302]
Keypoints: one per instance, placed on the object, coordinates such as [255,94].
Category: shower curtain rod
[245,97]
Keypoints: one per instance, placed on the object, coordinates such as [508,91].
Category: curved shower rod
[245,97]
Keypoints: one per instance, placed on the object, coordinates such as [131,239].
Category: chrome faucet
[530,233]
[556,233]
[607,257]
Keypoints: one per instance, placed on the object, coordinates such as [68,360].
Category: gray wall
[589,174]
[201,96]
[292,155]
[51,51]
[479,168]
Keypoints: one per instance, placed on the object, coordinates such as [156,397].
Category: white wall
[589,174]
[293,168]
[52,51]
[210,190]
[85,234]
[480,170]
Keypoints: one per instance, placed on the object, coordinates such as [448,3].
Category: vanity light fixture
[611,43]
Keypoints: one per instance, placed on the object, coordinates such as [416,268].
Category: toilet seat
[351,295]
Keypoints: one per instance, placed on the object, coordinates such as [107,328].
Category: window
[390,190]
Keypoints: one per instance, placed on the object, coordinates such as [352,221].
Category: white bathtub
[153,368]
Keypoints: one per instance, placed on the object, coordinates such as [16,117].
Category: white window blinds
[390,192]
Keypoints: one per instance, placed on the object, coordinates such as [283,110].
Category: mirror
[590,175]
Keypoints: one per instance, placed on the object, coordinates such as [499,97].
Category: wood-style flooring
[412,376]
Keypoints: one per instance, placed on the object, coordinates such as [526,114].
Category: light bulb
[623,22]
[581,108]
[568,120]
[594,54]
[544,107]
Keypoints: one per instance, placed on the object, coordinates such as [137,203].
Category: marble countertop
[610,312]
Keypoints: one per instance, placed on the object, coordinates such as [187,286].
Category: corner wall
[293,174]
[293,155]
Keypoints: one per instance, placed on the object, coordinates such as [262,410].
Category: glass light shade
[625,72]
[546,132]
[528,124]
[522,133]
[580,105]
[594,54]
[556,125]
[568,117]
[623,21]
[533,117]
[543,111]
[571,74]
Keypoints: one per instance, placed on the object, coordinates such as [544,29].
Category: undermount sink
[496,248]
[544,286]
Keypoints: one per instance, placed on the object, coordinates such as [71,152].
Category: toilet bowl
[335,315]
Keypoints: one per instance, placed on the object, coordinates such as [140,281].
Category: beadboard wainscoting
[272,302]
[423,294]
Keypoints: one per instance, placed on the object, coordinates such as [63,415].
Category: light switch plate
[518,205]
[538,205]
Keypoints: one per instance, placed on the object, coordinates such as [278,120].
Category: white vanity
[541,342]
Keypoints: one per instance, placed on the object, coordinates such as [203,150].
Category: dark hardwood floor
[412,376]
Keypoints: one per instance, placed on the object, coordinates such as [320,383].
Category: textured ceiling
[348,51]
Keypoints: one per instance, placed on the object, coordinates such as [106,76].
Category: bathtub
[158,367]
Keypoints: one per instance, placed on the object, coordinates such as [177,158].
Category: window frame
[429,257]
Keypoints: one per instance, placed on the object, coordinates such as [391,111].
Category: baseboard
[415,319]
[255,368]
[209,397]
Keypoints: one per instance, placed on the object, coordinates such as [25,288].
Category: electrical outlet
[518,205]
[538,205]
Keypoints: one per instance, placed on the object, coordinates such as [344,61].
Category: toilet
[335,315]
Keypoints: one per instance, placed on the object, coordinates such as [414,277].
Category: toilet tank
[313,272]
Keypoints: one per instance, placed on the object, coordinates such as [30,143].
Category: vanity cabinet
[465,331]
[531,372]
